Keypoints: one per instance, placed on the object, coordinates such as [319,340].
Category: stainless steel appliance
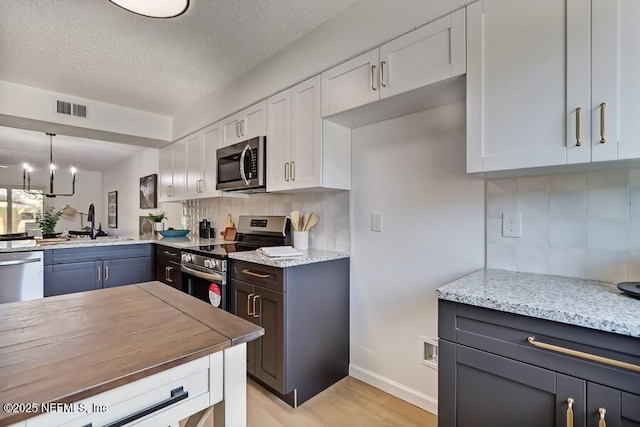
[21,276]
[242,166]
[204,268]
[205,230]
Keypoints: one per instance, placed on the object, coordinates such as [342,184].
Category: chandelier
[154,8]
[26,174]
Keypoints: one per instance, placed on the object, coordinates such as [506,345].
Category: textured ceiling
[18,146]
[96,50]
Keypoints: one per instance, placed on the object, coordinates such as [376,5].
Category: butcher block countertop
[70,347]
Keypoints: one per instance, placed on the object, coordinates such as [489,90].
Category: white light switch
[376,221]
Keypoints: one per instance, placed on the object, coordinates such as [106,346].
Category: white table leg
[232,411]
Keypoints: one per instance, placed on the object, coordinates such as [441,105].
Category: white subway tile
[612,235]
[606,265]
[634,202]
[634,235]
[532,259]
[502,256]
[567,183]
[634,177]
[535,232]
[607,179]
[568,233]
[608,203]
[568,204]
[568,262]
[634,266]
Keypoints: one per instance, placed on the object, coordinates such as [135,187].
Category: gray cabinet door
[494,391]
[619,409]
[270,361]
[119,272]
[241,295]
[62,279]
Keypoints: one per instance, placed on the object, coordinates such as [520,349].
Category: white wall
[125,179]
[362,26]
[88,184]
[412,170]
[580,225]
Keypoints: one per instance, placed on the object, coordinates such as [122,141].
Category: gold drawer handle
[583,355]
[570,412]
[251,273]
[602,422]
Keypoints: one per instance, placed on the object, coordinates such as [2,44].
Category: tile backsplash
[581,225]
[332,206]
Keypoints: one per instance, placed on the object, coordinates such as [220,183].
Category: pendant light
[154,8]
[26,174]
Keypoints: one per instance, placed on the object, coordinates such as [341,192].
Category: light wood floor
[348,403]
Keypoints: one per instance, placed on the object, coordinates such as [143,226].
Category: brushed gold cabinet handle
[602,422]
[578,143]
[373,74]
[583,355]
[249,312]
[569,412]
[293,171]
[602,122]
[251,273]
[238,129]
[255,312]
[382,83]
[286,171]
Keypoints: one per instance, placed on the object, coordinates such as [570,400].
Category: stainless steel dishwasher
[21,276]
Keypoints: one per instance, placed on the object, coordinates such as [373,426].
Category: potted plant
[158,225]
[48,221]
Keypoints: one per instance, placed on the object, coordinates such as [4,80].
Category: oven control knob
[207,263]
[187,257]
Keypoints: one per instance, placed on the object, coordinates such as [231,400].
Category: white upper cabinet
[427,55]
[211,140]
[518,56]
[195,166]
[246,124]
[165,169]
[179,189]
[300,152]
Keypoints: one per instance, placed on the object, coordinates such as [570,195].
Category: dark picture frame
[112,209]
[149,191]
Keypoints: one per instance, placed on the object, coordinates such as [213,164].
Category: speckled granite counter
[308,257]
[588,303]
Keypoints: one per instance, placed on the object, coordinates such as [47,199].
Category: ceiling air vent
[80,110]
[63,108]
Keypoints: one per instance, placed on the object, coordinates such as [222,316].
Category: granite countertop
[175,242]
[308,257]
[588,303]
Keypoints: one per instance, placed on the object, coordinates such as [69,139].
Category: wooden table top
[69,347]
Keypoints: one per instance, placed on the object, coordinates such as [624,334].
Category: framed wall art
[112,209]
[148,191]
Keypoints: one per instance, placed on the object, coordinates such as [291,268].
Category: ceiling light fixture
[154,8]
[26,174]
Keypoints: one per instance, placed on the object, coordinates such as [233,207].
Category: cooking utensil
[313,220]
[305,220]
[295,220]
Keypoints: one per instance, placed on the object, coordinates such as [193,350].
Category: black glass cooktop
[220,251]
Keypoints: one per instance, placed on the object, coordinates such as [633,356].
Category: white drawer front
[193,377]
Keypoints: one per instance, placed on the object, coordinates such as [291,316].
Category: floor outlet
[376,221]
[511,224]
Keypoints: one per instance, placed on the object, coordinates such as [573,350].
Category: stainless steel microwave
[242,166]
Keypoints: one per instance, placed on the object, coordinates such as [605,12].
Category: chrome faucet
[91,217]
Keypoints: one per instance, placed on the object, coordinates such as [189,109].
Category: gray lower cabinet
[168,263]
[305,313]
[86,269]
[490,375]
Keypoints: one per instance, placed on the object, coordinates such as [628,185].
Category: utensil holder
[301,240]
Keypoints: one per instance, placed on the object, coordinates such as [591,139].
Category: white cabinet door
[254,121]
[518,53]
[615,80]
[279,141]
[231,131]
[351,84]
[179,189]
[165,170]
[212,137]
[195,165]
[306,130]
[427,55]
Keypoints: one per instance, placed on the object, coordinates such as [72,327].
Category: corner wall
[412,170]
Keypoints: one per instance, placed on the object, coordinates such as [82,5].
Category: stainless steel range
[204,268]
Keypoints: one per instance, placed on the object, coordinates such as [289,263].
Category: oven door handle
[242,157]
[201,274]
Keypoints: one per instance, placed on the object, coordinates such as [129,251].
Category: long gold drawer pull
[602,122]
[251,273]
[255,311]
[569,412]
[578,143]
[583,355]
[602,422]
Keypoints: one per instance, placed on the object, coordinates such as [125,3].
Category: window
[17,207]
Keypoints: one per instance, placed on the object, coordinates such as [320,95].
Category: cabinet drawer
[168,253]
[506,334]
[259,275]
[201,379]
[66,256]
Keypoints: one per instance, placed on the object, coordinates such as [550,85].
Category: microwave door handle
[242,157]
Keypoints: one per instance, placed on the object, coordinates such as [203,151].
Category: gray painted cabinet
[168,266]
[305,313]
[490,375]
[85,269]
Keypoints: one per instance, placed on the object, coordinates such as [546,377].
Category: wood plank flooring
[348,403]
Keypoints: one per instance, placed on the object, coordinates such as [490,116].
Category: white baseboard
[419,399]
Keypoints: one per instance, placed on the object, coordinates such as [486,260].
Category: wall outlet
[376,221]
[429,352]
[511,224]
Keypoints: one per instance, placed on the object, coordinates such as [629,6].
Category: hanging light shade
[154,8]
[26,174]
